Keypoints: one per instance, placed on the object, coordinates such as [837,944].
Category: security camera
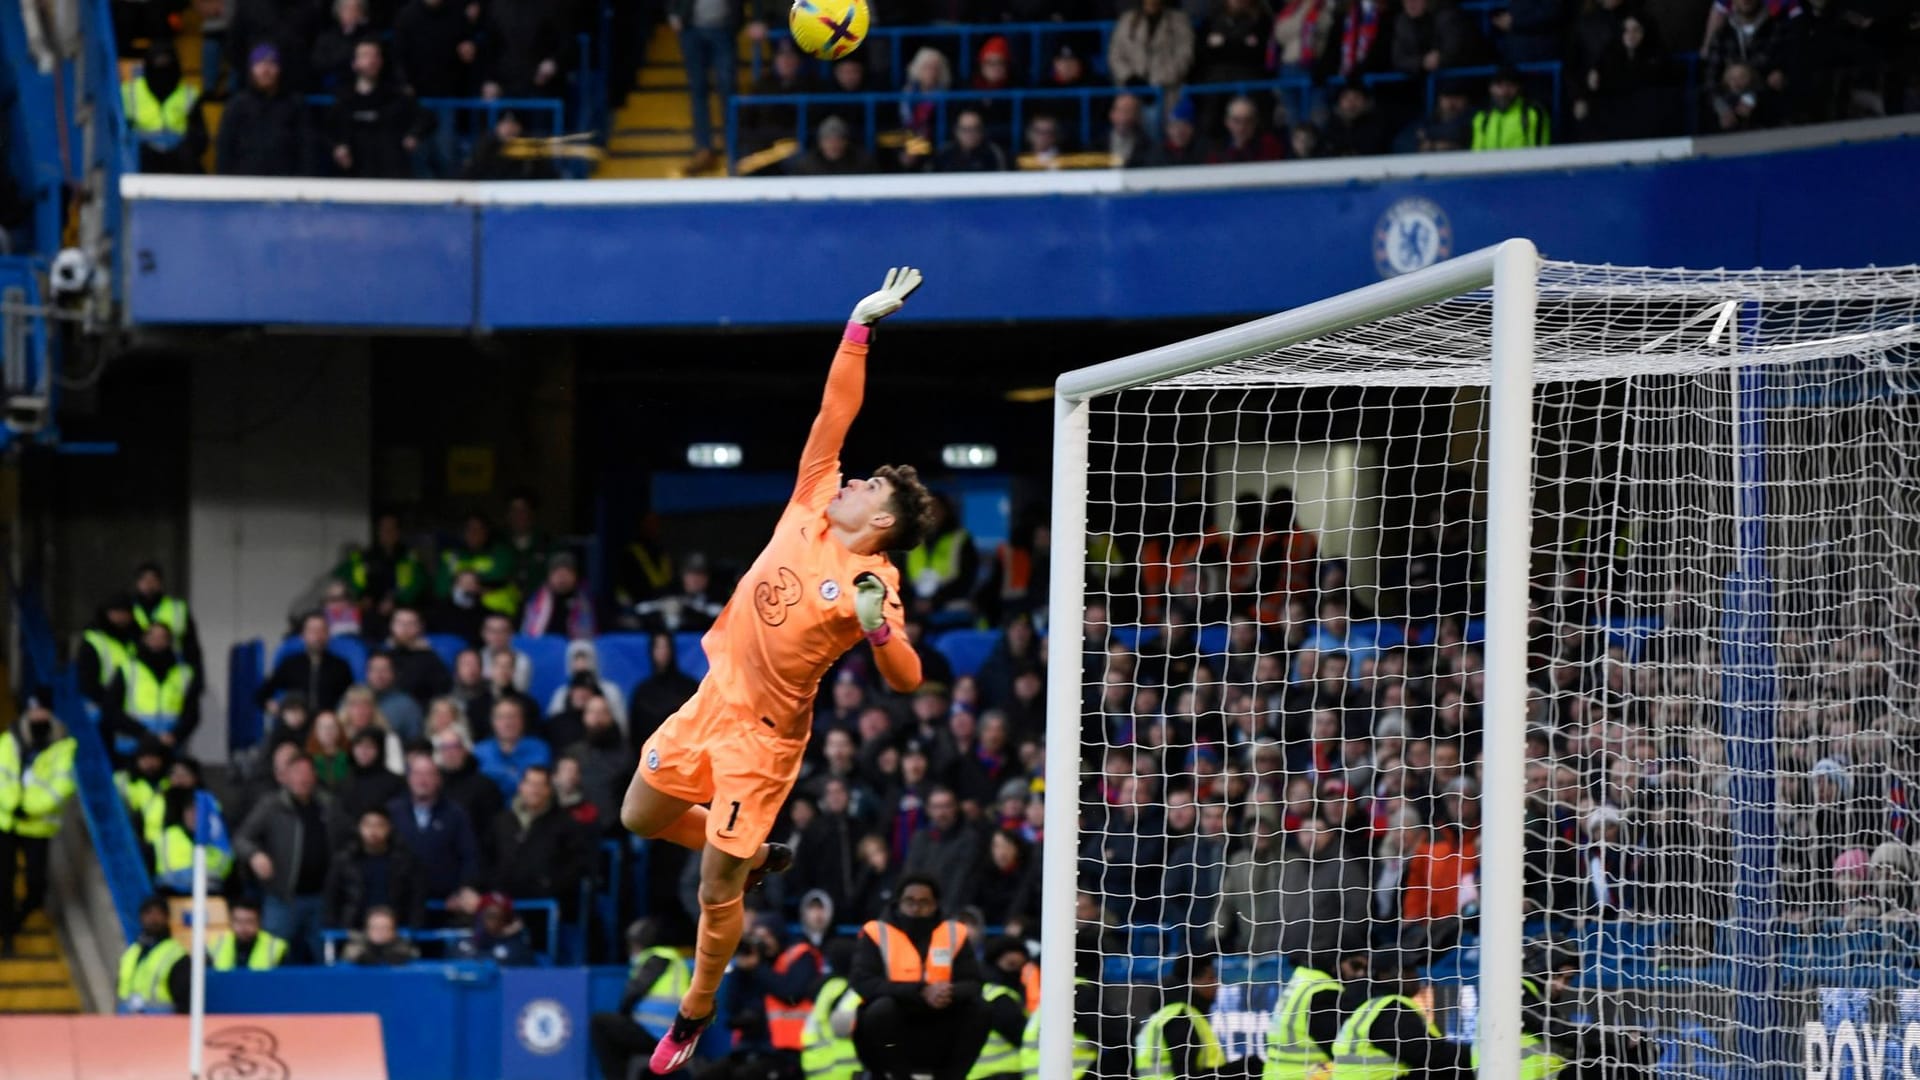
[73,271]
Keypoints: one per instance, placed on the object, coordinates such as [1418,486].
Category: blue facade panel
[301,264]
[1111,255]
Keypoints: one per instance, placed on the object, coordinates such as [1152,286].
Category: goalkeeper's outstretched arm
[846,388]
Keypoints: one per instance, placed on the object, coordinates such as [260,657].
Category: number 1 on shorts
[732,817]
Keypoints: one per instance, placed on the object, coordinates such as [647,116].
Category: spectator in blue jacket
[511,750]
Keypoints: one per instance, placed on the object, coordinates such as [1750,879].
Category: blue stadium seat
[1135,636]
[351,649]
[966,650]
[690,657]
[625,659]
[1389,633]
[549,656]
[1212,639]
[1630,632]
[448,646]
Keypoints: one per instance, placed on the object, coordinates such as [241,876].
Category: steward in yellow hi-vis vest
[1554,1046]
[36,783]
[657,977]
[153,973]
[246,947]
[1390,1035]
[1307,1018]
[1004,992]
[1178,1042]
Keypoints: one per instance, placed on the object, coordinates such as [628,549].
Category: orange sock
[689,830]
[720,926]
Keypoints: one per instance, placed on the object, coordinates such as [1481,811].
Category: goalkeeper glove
[870,603]
[901,281]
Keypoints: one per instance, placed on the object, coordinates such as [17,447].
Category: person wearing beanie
[163,113]
[1180,143]
[36,783]
[108,643]
[834,152]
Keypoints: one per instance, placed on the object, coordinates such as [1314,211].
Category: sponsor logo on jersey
[653,760]
[830,590]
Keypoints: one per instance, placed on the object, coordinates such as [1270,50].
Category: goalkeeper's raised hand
[901,281]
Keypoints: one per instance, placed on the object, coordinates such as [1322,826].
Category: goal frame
[1511,269]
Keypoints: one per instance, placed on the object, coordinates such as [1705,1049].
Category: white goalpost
[1505,602]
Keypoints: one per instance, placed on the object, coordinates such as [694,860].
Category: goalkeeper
[716,773]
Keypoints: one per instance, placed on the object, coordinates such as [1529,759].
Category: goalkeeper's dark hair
[911,505]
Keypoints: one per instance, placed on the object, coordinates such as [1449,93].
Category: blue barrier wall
[1057,246]
[438,1021]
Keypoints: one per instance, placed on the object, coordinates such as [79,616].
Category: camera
[72,275]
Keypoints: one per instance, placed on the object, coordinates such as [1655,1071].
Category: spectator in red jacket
[1442,875]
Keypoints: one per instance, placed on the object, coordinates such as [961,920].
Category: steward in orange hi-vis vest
[921,985]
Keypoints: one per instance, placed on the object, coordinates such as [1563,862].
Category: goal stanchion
[1500,613]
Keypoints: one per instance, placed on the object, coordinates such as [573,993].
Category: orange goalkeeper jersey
[792,615]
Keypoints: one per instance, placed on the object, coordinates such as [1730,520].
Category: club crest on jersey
[829,590]
[653,760]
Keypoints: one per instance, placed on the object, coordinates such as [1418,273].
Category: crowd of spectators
[1309,782]
[1625,67]
[1624,73]
[375,59]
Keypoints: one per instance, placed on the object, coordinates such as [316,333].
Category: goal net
[1509,617]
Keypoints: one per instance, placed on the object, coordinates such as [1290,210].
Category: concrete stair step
[36,978]
[39,999]
[39,971]
[651,142]
[31,946]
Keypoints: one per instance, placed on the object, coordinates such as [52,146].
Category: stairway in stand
[653,131]
[35,979]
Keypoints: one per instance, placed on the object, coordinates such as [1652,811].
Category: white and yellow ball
[828,29]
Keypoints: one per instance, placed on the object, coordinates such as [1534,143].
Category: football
[828,29]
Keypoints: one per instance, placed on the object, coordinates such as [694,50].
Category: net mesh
[1282,730]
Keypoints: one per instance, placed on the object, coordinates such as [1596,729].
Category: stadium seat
[1212,639]
[1389,633]
[1132,637]
[625,659]
[1630,632]
[448,646]
[549,656]
[966,650]
[351,649]
[690,657]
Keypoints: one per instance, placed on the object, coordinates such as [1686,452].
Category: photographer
[769,987]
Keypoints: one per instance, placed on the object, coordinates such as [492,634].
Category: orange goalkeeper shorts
[738,764]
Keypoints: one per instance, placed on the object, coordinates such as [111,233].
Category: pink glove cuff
[881,636]
[859,333]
